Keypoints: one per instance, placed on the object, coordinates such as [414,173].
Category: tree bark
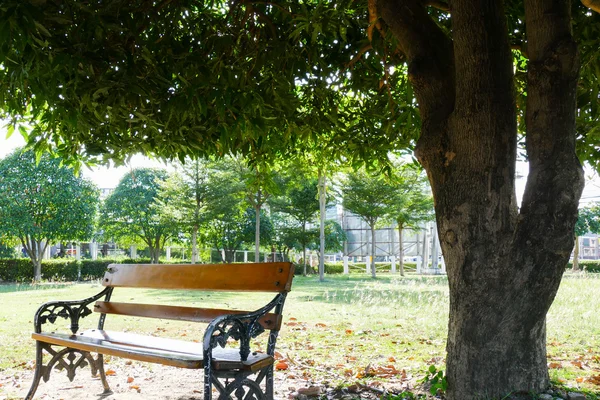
[195,244]
[401,248]
[373,248]
[304,272]
[257,233]
[576,254]
[35,251]
[322,211]
[504,266]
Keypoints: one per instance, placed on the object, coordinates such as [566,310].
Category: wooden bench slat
[264,277]
[192,314]
[171,352]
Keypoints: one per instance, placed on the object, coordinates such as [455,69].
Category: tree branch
[429,53]
[359,55]
[592,4]
[555,180]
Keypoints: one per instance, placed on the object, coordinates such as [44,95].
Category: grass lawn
[346,329]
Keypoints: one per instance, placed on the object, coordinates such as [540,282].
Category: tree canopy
[132,213]
[102,80]
[42,201]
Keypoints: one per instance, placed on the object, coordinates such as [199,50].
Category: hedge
[338,268]
[587,265]
[21,269]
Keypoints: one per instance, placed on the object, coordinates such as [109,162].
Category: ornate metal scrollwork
[245,389]
[69,360]
[73,310]
[241,328]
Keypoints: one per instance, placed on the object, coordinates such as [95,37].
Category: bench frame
[240,326]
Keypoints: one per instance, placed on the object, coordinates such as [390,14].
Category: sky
[106,178]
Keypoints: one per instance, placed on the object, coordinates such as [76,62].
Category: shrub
[587,265]
[16,270]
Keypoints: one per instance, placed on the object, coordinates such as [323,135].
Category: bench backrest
[255,277]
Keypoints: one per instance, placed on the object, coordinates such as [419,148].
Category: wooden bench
[237,371]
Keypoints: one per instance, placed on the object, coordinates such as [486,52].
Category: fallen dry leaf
[555,365]
[320,325]
[281,366]
[135,387]
[129,379]
[111,372]
[594,379]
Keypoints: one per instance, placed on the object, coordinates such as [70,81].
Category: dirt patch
[133,380]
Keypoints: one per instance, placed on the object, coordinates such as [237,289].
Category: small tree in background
[132,211]
[367,195]
[301,203]
[42,201]
[588,220]
[333,240]
[187,194]
[226,216]
[409,202]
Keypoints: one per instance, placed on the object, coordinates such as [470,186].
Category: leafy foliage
[409,198]
[131,212]
[102,80]
[588,220]
[187,193]
[42,201]
[299,202]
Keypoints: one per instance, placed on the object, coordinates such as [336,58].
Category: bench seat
[176,353]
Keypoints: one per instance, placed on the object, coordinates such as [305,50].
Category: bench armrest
[72,309]
[240,327]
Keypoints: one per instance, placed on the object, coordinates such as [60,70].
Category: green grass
[336,330]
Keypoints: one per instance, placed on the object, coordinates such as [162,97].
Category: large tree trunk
[322,204]
[504,266]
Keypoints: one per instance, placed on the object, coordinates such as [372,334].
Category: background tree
[150,81]
[186,193]
[409,202]
[588,221]
[226,210]
[132,213]
[366,195]
[42,202]
[260,184]
[287,233]
[300,202]
[332,241]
